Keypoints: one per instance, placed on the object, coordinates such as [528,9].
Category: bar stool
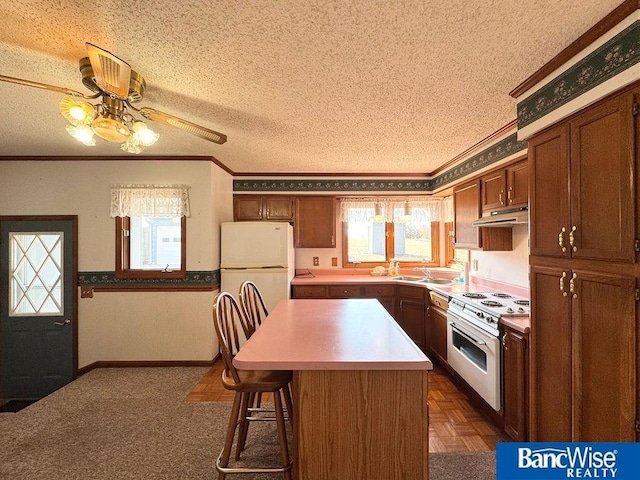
[252,304]
[246,384]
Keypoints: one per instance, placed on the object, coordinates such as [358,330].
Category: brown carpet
[133,423]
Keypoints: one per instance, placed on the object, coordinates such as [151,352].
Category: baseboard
[145,363]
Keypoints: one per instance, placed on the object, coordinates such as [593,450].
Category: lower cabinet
[436,334]
[516,383]
[412,304]
[385,294]
[407,304]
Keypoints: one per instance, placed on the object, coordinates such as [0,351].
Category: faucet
[425,270]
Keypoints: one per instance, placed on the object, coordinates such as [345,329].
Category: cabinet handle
[572,239]
[572,285]
[564,275]
[509,197]
[561,239]
[500,197]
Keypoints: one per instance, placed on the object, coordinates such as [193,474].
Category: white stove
[485,309]
[473,339]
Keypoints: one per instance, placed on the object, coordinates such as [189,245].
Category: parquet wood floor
[455,425]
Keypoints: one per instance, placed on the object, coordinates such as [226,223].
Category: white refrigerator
[261,252]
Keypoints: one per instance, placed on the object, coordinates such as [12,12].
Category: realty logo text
[578,462]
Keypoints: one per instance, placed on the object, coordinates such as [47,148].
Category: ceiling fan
[118,87]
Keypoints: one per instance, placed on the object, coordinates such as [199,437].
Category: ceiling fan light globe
[82,133]
[77,112]
[110,129]
[132,146]
[143,134]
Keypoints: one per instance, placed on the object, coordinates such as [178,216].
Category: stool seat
[257,380]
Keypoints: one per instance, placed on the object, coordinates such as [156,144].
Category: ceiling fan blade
[112,74]
[192,128]
[45,86]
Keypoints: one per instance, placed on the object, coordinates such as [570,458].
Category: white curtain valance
[392,208]
[160,201]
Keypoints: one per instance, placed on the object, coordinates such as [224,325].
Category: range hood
[503,219]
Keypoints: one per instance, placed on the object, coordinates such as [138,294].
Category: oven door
[475,355]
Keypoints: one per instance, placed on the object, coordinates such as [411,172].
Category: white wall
[510,267]
[128,326]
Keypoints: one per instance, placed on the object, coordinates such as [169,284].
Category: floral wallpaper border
[498,151]
[330,185]
[615,56]
[108,279]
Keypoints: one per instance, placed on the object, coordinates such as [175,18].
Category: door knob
[66,322]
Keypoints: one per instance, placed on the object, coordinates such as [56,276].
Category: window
[150,231]
[411,237]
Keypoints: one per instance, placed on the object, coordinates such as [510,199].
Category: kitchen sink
[438,281]
[433,281]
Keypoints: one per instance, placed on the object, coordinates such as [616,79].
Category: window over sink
[376,231]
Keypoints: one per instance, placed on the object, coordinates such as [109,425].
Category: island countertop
[330,334]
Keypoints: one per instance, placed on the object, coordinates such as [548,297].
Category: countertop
[521,324]
[330,334]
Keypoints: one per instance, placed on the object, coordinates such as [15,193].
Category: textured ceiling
[297,86]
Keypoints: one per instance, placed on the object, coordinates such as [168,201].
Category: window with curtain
[150,230]
[375,230]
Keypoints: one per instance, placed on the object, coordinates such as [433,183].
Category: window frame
[389,245]
[123,269]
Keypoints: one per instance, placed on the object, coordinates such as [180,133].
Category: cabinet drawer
[310,291]
[417,293]
[379,291]
[345,291]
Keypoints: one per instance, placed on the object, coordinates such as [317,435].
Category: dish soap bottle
[391,271]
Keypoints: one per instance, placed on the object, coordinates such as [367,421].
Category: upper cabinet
[278,208]
[506,188]
[582,185]
[466,202]
[315,222]
[467,209]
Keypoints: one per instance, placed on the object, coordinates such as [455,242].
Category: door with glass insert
[38,267]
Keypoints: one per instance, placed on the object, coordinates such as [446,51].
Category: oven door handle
[471,339]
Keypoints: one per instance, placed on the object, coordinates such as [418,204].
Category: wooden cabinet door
[315,222]
[411,312]
[604,357]
[279,208]
[549,210]
[436,334]
[411,317]
[551,414]
[602,181]
[517,176]
[247,208]
[515,380]
[492,190]
[466,203]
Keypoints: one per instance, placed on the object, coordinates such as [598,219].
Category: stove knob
[480,314]
[491,320]
[510,310]
[521,310]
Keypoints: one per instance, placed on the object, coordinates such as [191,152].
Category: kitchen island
[359,388]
